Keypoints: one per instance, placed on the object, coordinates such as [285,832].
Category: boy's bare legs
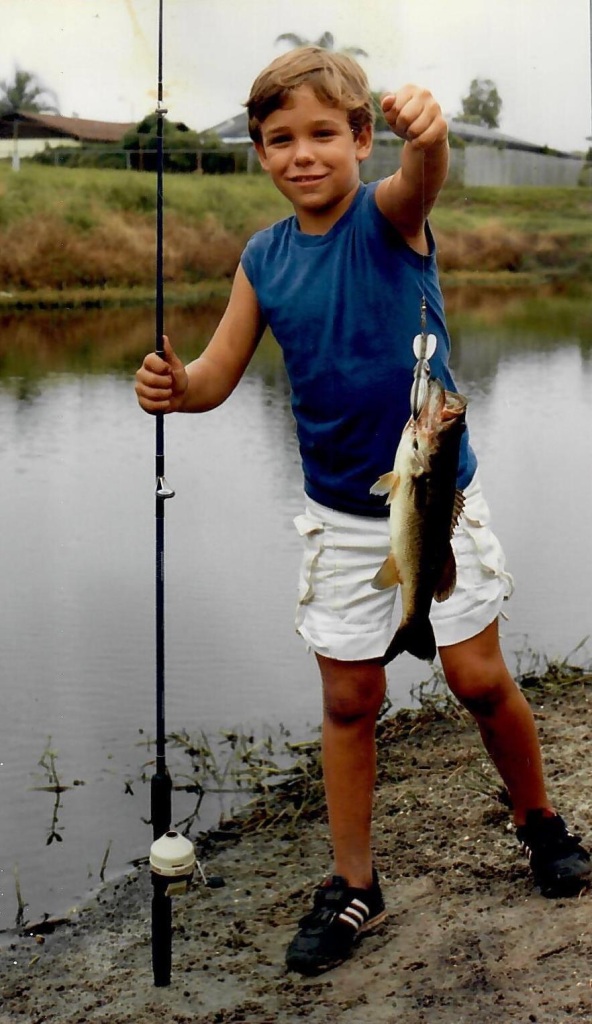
[353,692]
[477,674]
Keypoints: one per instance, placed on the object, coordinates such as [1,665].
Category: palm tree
[26,92]
[326,41]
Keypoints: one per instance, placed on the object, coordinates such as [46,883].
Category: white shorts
[339,613]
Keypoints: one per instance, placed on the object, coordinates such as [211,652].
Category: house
[26,132]
[489,157]
[485,156]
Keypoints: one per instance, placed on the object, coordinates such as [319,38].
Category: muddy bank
[467,941]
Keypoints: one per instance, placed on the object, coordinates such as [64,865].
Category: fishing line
[424,344]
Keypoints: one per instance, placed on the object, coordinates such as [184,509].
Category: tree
[184,150]
[326,42]
[483,104]
[26,92]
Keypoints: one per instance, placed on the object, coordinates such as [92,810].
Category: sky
[100,56]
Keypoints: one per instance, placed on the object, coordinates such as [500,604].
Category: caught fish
[424,509]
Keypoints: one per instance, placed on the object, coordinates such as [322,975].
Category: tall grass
[65,229]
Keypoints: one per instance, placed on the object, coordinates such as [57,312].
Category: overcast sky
[100,55]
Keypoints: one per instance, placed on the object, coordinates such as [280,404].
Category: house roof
[235,130]
[491,136]
[50,126]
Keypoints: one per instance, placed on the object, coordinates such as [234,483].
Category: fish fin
[386,484]
[388,574]
[447,581]
[457,508]
[415,636]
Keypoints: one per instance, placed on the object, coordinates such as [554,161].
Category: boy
[340,284]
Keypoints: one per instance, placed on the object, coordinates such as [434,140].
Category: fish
[425,505]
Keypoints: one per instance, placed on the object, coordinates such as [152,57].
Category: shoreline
[502,285]
[467,939]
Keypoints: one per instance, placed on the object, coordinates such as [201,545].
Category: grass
[64,232]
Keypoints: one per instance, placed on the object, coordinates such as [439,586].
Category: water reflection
[76,634]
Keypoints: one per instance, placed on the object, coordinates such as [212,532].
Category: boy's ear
[260,150]
[364,143]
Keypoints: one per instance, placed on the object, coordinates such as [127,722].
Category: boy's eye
[324,133]
[279,140]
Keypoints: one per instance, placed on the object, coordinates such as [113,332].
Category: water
[77,581]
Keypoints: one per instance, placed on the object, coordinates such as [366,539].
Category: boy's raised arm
[407,197]
[166,385]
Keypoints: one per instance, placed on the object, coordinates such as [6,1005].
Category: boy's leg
[476,673]
[350,901]
[353,692]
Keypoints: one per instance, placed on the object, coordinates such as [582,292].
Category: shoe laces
[328,901]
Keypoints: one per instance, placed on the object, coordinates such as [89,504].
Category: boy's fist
[414,115]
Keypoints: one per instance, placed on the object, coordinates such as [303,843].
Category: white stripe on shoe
[356,914]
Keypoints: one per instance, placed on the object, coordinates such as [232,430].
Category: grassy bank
[87,236]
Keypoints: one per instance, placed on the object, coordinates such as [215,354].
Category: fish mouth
[454,404]
[441,405]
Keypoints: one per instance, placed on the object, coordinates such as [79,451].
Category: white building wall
[28,147]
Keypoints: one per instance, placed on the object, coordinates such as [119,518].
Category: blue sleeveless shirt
[345,307]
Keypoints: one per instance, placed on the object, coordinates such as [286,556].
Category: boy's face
[310,152]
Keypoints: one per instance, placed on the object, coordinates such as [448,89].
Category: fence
[488,165]
[471,165]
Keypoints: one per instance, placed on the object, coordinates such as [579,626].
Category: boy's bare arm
[407,197]
[166,385]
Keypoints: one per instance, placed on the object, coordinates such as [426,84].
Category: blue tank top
[345,307]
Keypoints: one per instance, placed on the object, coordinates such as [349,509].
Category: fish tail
[415,636]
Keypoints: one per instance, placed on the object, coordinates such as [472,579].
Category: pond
[77,586]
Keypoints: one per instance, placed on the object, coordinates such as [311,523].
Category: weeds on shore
[48,761]
[284,779]
[278,781]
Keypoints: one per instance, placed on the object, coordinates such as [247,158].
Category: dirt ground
[467,941]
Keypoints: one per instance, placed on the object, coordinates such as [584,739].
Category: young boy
[340,284]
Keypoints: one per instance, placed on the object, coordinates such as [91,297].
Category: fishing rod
[172,857]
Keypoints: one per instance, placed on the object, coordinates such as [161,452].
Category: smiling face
[313,158]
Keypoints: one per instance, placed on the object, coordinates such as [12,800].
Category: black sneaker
[340,915]
[561,867]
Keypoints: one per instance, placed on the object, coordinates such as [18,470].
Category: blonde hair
[335,79]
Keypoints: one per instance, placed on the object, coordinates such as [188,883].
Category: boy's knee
[483,693]
[345,705]
[352,690]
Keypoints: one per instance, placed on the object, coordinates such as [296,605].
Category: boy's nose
[303,154]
